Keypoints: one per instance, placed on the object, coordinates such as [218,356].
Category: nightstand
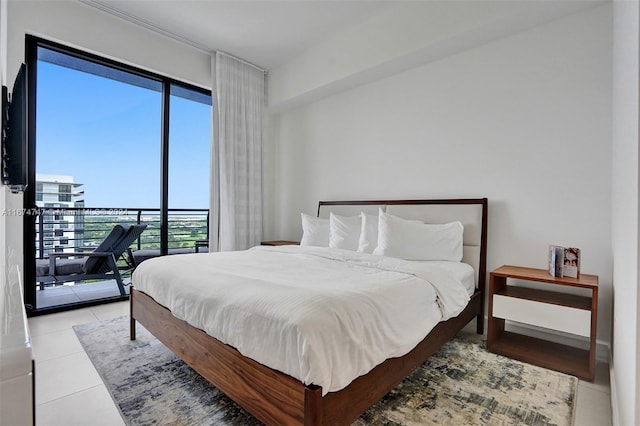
[202,246]
[548,308]
[279,243]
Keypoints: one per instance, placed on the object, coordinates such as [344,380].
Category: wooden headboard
[471,212]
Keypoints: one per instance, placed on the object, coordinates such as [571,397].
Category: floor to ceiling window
[112,146]
[189,168]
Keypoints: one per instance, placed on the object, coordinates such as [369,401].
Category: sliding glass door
[189,169]
[108,149]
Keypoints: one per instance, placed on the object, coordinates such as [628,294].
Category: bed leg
[480,324]
[312,405]
[132,329]
[132,320]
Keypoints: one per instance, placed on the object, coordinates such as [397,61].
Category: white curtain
[236,198]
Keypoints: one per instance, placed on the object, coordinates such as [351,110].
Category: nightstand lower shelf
[556,356]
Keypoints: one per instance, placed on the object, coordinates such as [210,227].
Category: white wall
[524,120]
[625,365]
[3,41]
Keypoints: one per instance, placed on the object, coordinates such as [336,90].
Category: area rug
[462,384]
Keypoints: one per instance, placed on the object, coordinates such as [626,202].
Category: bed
[278,398]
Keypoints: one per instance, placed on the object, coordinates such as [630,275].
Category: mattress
[323,316]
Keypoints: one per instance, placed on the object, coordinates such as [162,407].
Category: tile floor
[70,392]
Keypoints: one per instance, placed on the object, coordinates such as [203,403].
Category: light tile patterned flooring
[70,392]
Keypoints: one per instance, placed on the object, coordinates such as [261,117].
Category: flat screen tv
[14,135]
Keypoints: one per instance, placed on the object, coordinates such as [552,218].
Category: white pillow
[368,233]
[344,232]
[315,231]
[409,240]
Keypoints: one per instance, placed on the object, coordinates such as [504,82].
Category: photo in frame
[571,262]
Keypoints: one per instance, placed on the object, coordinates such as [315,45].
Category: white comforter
[324,316]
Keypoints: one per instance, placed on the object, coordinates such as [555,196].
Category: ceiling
[269,33]
[265,33]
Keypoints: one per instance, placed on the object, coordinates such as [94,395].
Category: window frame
[32,43]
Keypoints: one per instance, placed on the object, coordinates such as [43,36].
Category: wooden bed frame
[275,398]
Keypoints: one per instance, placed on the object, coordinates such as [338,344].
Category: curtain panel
[237,154]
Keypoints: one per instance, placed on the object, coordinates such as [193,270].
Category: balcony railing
[73,228]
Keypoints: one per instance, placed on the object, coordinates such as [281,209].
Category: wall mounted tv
[14,133]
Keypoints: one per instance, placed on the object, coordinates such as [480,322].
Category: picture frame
[571,262]
[556,261]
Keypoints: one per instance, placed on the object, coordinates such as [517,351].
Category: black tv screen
[4,117]
[14,143]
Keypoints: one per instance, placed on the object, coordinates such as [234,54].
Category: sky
[107,135]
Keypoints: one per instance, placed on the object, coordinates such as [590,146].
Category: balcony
[76,229]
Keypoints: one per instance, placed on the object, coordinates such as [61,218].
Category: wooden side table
[543,308]
[279,243]
[201,245]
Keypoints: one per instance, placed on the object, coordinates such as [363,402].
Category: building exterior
[60,226]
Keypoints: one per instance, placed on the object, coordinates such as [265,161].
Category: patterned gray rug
[462,384]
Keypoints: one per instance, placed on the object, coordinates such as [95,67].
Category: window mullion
[164,158]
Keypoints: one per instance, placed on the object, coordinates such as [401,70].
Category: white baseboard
[615,411]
